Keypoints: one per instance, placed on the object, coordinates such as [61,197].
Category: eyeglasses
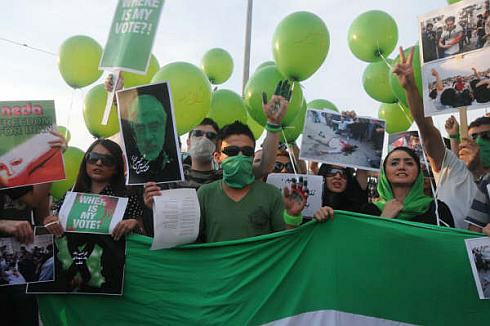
[235,150]
[209,134]
[483,135]
[279,166]
[332,172]
[106,159]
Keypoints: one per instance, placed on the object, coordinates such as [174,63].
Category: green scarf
[414,204]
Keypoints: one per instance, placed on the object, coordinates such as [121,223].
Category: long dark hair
[117,182]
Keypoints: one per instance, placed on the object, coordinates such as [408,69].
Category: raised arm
[431,137]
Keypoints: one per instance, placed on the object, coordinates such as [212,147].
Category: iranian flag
[355,270]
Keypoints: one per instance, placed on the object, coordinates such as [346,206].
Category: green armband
[292,220]
[456,136]
[272,127]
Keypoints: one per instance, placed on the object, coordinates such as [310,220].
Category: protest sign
[455,51]
[176,217]
[479,256]
[149,135]
[91,213]
[344,140]
[86,264]
[26,263]
[131,36]
[313,182]
[26,156]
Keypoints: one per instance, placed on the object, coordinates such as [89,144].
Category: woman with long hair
[102,172]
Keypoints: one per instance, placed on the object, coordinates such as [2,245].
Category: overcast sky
[188,28]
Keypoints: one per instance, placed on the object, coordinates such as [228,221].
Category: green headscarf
[414,204]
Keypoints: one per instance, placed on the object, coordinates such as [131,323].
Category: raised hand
[276,108]
[452,126]
[404,70]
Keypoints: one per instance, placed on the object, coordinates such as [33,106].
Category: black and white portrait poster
[149,134]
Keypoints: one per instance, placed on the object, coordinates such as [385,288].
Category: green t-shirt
[260,211]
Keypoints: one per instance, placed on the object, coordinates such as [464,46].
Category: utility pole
[248,39]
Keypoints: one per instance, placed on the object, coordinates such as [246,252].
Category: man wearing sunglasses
[455,177]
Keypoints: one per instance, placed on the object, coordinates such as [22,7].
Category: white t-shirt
[449,36]
[456,188]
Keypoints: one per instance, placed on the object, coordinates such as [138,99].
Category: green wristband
[273,127]
[456,136]
[292,220]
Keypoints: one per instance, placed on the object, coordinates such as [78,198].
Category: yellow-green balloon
[265,64]
[321,104]
[397,89]
[132,79]
[226,107]
[292,132]
[452,1]
[376,81]
[72,158]
[300,45]
[372,34]
[191,93]
[93,111]
[217,64]
[266,80]
[64,132]
[78,61]
[398,118]
[256,128]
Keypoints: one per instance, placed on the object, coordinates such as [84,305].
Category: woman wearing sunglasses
[401,191]
[102,172]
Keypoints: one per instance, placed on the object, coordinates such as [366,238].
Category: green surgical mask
[484,151]
[237,171]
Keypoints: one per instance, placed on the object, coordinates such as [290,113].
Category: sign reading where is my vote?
[91,213]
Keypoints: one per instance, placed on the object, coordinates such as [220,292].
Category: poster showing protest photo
[479,256]
[26,263]
[91,213]
[457,82]
[149,134]
[313,182]
[86,264]
[455,29]
[343,139]
[27,153]
[131,36]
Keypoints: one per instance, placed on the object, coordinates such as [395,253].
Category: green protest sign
[26,156]
[131,36]
[91,213]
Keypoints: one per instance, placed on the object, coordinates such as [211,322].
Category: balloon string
[386,61]
[291,157]
[70,110]
[27,46]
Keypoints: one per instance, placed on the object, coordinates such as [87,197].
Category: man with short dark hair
[450,37]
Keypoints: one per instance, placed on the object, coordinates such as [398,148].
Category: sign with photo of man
[149,134]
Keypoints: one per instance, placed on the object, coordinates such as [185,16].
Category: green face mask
[237,171]
[484,151]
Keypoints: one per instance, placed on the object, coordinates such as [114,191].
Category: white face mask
[202,149]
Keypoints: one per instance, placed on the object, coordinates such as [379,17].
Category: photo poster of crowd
[455,50]
[26,263]
[343,139]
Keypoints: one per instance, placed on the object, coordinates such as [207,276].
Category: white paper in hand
[176,216]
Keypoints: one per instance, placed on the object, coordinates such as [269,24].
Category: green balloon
[256,128]
[321,104]
[72,158]
[64,132]
[292,132]
[78,61]
[217,64]
[226,107]
[398,117]
[191,93]
[93,111]
[300,45]
[265,64]
[376,81]
[372,34]
[132,79]
[397,89]
[266,80]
